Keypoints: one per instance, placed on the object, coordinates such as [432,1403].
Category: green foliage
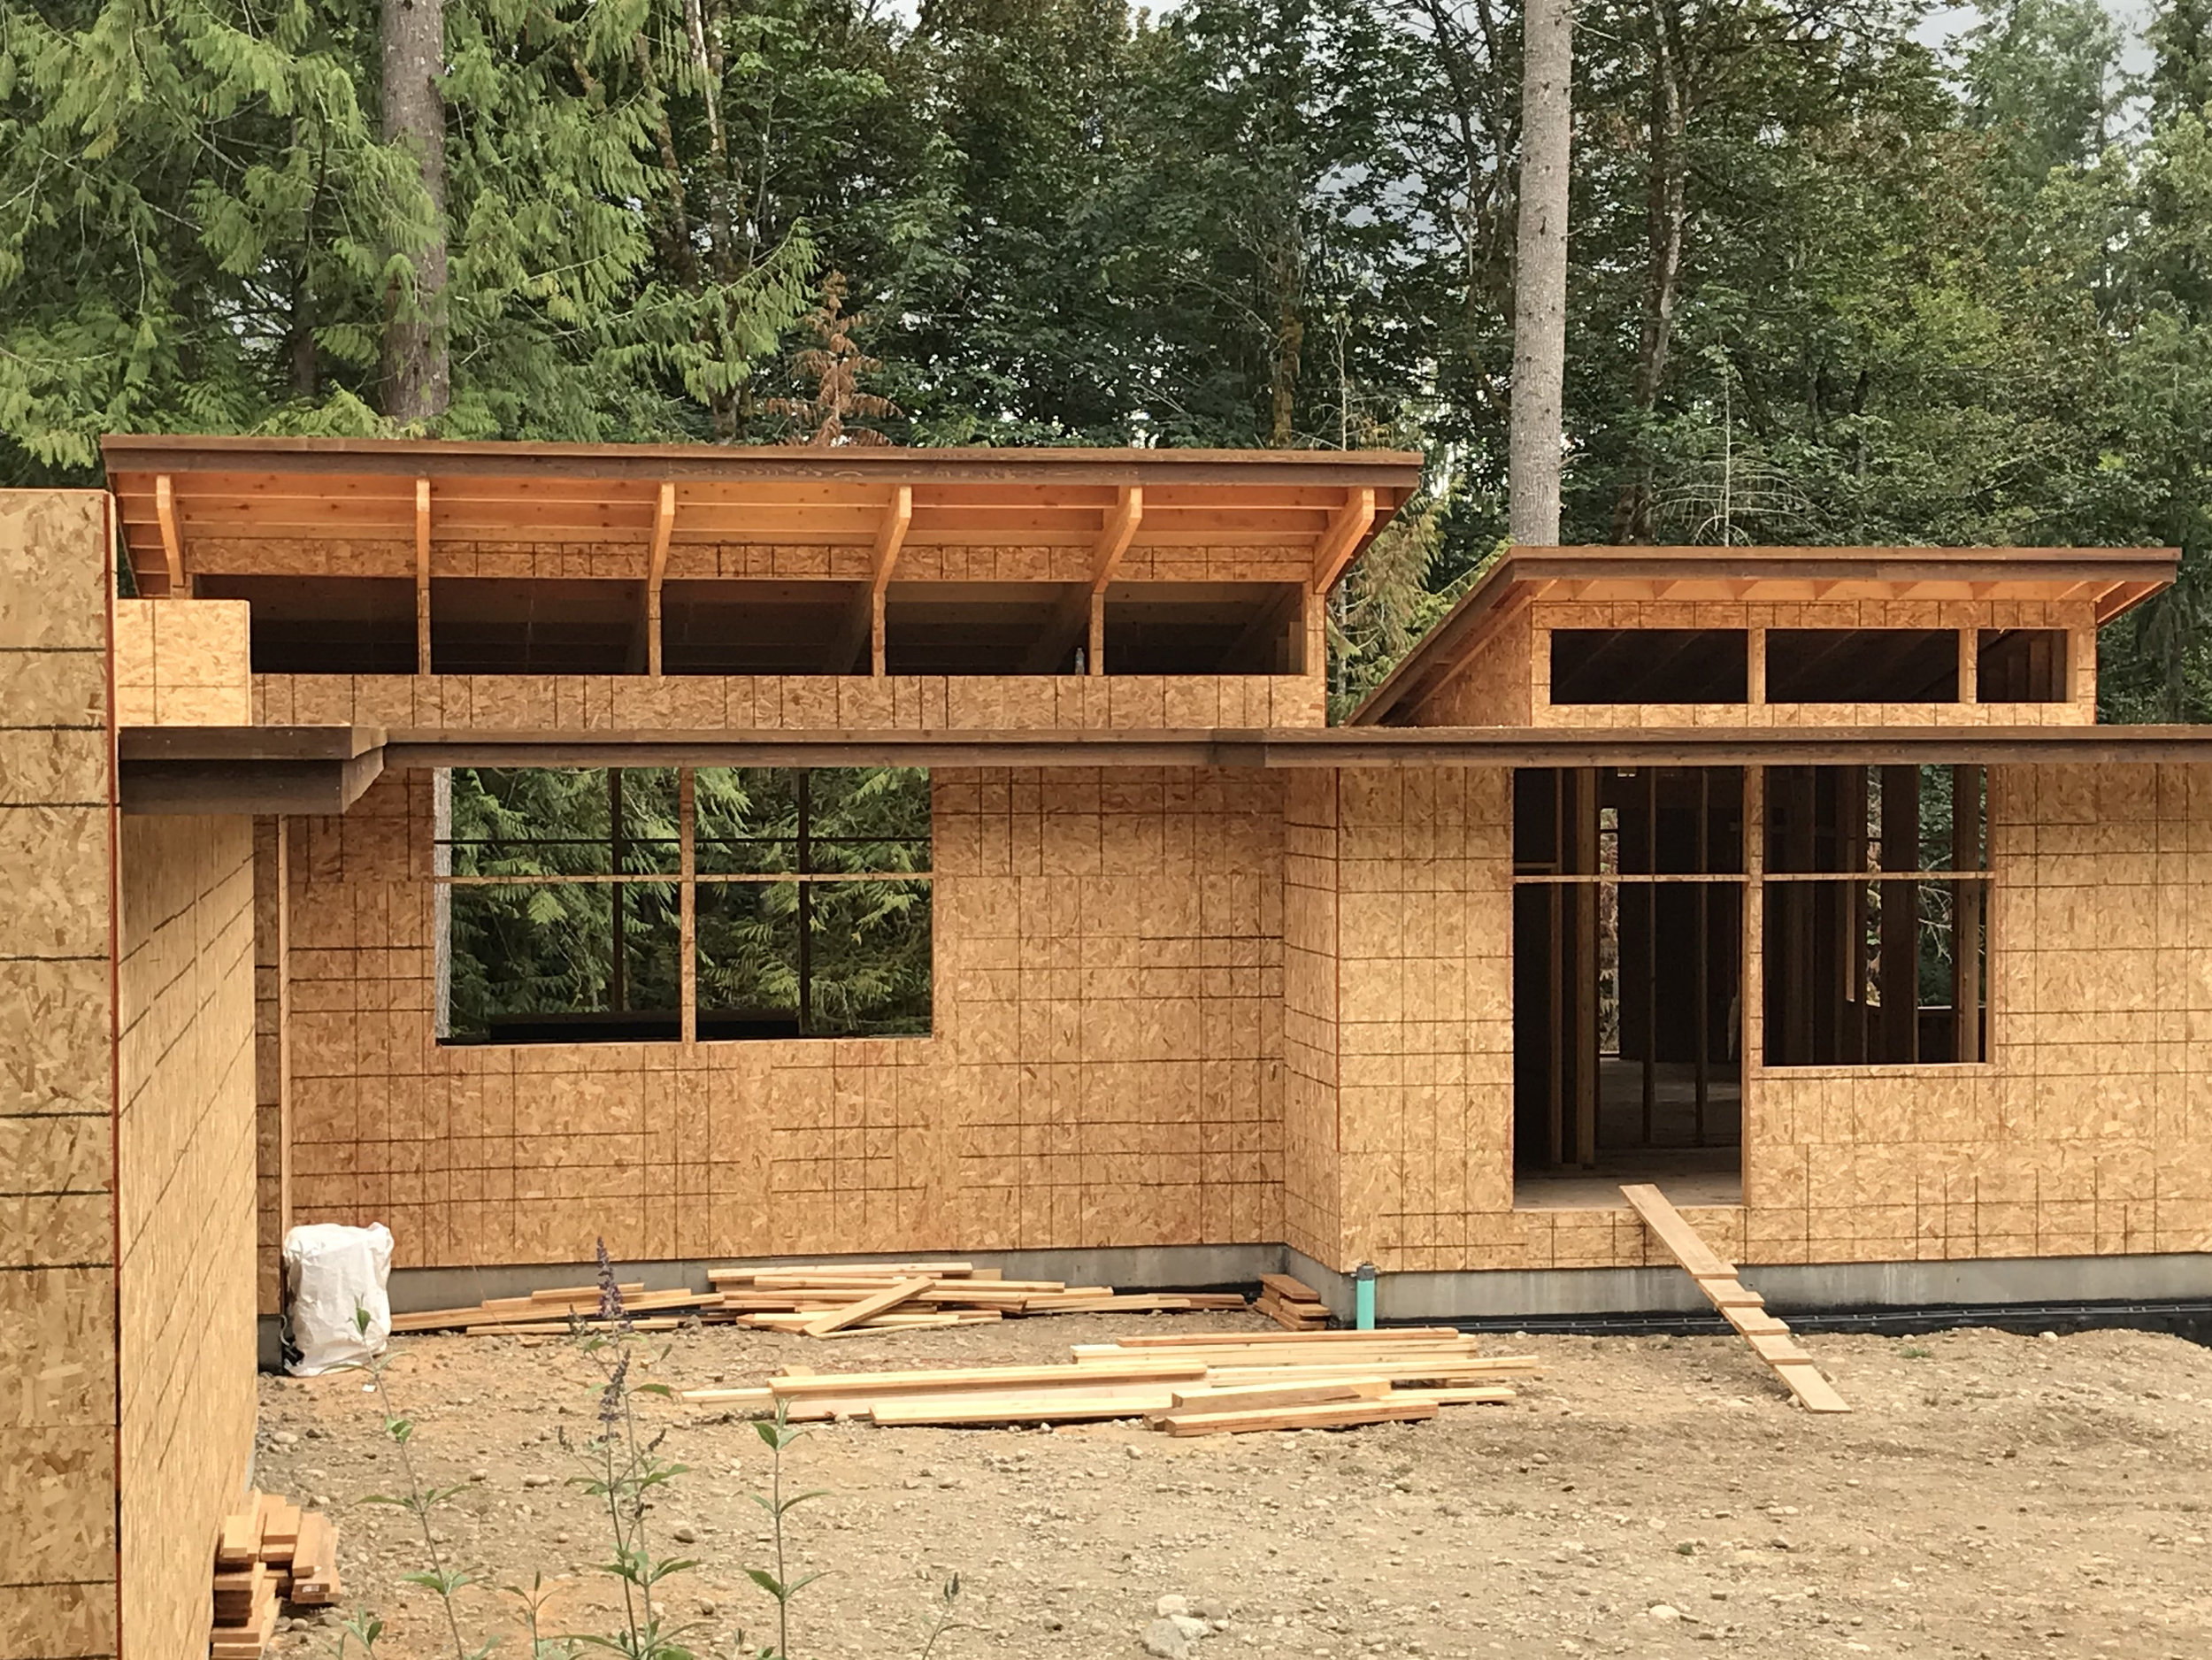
[1905,295]
[797,957]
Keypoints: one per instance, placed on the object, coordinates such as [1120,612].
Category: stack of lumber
[1292,1304]
[817,1299]
[1204,1383]
[269,1552]
[1741,1307]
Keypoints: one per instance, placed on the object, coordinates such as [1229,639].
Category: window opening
[1628,917]
[1650,666]
[648,903]
[2021,665]
[1862,666]
[1876,894]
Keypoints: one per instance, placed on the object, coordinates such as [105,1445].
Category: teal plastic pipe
[1363,1298]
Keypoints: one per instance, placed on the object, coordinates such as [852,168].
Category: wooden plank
[1137,1370]
[738,1273]
[1680,1240]
[1056,1408]
[882,1302]
[1344,1415]
[239,1541]
[1769,1337]
[1218,1339]
[1241,1396]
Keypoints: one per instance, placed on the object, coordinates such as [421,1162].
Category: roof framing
[2111,579]
[1328,504]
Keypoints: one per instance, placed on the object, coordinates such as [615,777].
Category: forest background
[1829,283]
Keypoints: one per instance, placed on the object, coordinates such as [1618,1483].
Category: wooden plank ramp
[1740,1307]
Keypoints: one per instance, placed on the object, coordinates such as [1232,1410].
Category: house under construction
[731,852]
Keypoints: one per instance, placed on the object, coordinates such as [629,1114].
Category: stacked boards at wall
[1292,1303]
[1199,1384]
[269,1552]
[817,1300]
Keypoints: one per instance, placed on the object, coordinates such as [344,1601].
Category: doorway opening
[1628,890]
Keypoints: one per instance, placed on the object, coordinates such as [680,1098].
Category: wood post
[422,576]
[1586,831]
[172,539]
[655,572]
[686,902]
[1900,947]
[1966,913]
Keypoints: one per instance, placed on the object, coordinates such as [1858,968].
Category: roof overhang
[174,491]
[322,770]
[2110,579]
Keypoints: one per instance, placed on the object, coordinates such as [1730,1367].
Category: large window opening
[1876,895]
[325,625]
[655,904]
[1205,628]
[1650,666]
[756,627]
[497,624]
[1627,964]
[1862,666]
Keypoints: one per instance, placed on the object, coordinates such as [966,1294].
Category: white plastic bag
[333,1270]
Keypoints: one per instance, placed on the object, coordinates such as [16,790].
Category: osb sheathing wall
[185,1164]
[182,665]
[2085,1133]
[1498,685]
[2089,1131]
[1105,1068]
[58,1569]
[699,702]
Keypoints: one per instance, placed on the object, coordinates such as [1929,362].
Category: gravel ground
[1990,1495]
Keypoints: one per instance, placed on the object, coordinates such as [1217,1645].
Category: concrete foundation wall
[185,1187]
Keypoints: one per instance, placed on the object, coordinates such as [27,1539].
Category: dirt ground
[1990,1495]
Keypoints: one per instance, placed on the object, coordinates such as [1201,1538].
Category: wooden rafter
[172,543]
[1113,543]
[657,572]
[865,625]
[1351,527]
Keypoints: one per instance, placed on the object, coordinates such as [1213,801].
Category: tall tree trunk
[1540,278]
[1290,341]
[1664,211]
[418,378]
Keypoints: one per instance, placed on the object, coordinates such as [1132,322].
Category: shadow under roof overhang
[2112,579]
[323,770]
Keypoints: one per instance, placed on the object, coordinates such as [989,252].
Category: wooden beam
[172,543]
[865,624]
[657,572]
[1343,537]
[1113,542]
[422,576]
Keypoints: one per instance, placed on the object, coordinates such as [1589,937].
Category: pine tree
[834,368]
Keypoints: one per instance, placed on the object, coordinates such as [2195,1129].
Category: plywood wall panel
[58,1377]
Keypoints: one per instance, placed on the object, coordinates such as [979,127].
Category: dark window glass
[1862,666]
[1650,666]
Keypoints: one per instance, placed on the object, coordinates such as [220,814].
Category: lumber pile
[1740,1306]
[1199,1384]
[817,1299]
[269,1552]
[1291,1304]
